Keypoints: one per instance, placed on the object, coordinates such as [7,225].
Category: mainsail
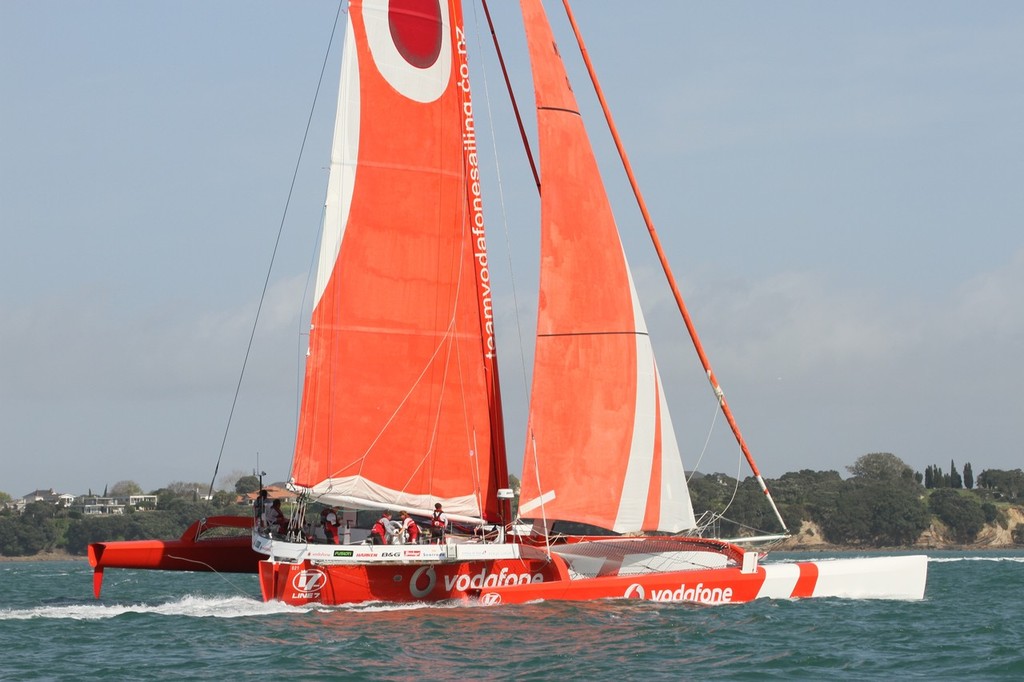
[601,448]
[398,406]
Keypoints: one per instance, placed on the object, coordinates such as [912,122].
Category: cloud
[989,306]
[820,372]
[84,344]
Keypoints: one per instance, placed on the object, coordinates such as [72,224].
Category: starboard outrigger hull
[901,577]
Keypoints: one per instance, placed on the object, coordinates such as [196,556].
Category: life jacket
[380,529]
[412,529]
[437,522]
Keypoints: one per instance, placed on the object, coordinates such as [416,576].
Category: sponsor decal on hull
[698,593]
[461,583]
[307,584]
[424,580]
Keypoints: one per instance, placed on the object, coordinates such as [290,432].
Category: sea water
[152,625]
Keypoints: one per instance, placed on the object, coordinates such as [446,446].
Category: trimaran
[401,406]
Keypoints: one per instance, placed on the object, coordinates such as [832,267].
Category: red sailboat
[401,403]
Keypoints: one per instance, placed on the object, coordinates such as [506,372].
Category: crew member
[331,524]
[411,528]
[380,531]
[276,519]
[438,525]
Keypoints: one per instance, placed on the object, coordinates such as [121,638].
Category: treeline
[46,527]
[884,503]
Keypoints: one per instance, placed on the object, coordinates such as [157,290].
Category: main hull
[307,582]
[512,574]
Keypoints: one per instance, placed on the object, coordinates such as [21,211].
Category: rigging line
[394,413]
[454,349]
[431,451]
[511,94]
[300,332]
[707,441]
[277,243]
[211,569]
[723,404]
[543,508]
[735,489]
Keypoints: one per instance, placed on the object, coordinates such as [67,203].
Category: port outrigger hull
[191,552]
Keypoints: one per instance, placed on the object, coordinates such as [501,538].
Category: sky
[838,187]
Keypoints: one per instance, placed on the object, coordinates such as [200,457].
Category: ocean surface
[152,625]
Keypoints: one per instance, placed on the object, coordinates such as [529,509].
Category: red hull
[305,583]
[189,553]
[739,579]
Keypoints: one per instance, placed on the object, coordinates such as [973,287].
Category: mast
[705,363]
[478,244]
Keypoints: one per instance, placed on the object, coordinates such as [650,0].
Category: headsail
[601,448]
[399,378]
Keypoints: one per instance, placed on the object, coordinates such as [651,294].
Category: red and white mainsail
[601,448]
[399,406]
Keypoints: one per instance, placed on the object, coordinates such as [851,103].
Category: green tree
[1010,484]
[963,514]
[191,489]
[874,513]
[712,493]
[31,532]
[968,476]
[955,481]
[804,494]
[247,484]
[124,489]
[882,466]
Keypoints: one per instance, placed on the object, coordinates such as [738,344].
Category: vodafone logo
[699,593]
[418,587]
[635,591]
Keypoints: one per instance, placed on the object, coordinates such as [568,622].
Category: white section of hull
[890,577]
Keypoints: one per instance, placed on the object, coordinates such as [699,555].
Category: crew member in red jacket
[381,529]
[412,530]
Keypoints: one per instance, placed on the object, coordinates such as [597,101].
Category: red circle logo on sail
[416,29]
[410,43]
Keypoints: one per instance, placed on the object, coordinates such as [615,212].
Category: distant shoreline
[46,556]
